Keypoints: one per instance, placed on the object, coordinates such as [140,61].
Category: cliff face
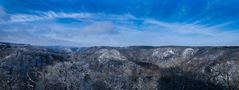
[26,67]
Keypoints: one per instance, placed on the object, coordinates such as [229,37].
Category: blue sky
[120,22]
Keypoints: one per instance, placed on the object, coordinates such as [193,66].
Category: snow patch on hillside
[162,53]
[110,54]
[187,52]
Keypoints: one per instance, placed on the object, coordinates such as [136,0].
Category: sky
[120,22]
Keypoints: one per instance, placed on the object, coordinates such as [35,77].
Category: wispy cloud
[109,29]
[46,16]
[75,15]
[188,28]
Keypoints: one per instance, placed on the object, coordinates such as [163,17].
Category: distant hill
[27,67]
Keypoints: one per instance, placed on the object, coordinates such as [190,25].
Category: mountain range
[31,67]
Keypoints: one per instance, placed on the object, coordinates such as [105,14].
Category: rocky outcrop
[27,67]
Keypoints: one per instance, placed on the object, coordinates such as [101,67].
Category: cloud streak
[116,27]
[21,18]
[112,31]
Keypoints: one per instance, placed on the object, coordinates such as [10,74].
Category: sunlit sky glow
[120,22]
